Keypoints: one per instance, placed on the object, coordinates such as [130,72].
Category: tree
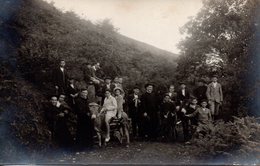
[218,41]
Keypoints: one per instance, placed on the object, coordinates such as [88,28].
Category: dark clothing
[189,122]
[134,112]
[60,79]
[182,99]
[71,91]
[168,120]
[58,125]
[85,127]
[201,93]
[173,96]
[149,105]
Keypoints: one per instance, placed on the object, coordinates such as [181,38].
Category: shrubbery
[237,140]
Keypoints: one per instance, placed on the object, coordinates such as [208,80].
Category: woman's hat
[93,104]
[117,88]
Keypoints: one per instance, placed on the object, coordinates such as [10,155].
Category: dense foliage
[49,35]
[218,41]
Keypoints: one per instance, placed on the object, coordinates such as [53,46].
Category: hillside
[49,35]
[34,36]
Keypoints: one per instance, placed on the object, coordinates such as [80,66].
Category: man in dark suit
[134,110]
[200,91]
[183,95]
[107,86]
[215,96]
[150,113]
[60,78]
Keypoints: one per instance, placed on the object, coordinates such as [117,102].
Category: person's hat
[93,104]
[117,88]
[108,78]
[84,90]
[136,87]
[182,82]
[193,97]
[148,84]
[204,100]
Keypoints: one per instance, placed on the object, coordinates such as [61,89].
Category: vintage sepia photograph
[130,82]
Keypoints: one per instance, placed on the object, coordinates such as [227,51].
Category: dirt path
[138,152]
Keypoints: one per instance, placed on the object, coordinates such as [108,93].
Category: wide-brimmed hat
[117,88]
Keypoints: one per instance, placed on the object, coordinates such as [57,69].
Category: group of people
[152,115]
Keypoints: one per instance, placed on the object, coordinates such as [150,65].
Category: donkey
[120,125]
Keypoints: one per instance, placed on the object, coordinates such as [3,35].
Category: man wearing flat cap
[150,112]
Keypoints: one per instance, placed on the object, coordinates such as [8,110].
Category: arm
[193,114]
[220,93]
[208,92]
[210,117]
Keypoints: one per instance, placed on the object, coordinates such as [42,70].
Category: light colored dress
[110,104]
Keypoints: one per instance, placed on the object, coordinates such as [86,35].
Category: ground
[137,152]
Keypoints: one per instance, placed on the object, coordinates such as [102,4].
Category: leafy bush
[237,141]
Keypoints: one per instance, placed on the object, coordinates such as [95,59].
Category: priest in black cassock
[150,113]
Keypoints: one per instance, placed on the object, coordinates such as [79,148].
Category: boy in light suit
[215,96]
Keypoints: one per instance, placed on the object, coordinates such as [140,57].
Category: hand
[93,116]
[66,111]
[165,116]
[56,87]
[177,108]
[61,114]
[145,114]
[183,110]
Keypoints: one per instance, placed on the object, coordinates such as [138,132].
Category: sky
[156,22]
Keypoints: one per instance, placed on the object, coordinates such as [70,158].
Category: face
[200,83]
[214,79]
[183,86]
[107,93]
[120,80]
[116,80]
[62,63]
[167,98]
[89,66]
[117,92]
[61,98]
[171,89]
[54,101]
[108,81]
[93,108]
[204,104]
[194,101]
[149,89]
[84,94]
[136,91]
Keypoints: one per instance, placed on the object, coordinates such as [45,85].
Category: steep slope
[34,36]
[49,35]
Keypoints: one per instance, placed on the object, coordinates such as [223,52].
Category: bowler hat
[148,84]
